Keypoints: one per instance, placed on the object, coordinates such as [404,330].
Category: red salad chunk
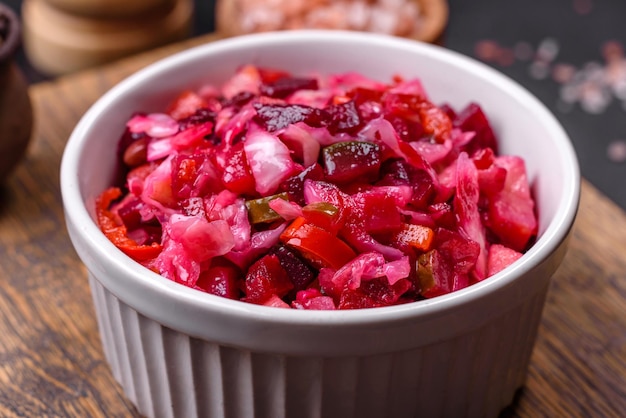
[317,193]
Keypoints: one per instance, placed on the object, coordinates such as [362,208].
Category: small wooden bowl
[434,15]
[435,20]
[57,42]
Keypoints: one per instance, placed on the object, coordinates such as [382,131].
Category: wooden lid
[109,8]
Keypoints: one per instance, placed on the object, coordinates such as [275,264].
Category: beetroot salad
[333,192]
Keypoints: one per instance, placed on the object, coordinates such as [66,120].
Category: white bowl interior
[523,125]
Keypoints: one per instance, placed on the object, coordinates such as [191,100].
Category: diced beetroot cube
[146,234]
[269,75]
[129,212]
[237,176]
[363,95]
[266,277]
[417,108]
[343,117]
[373,293]
[500,257]
[368,102]
[238,100]
[355,299]
[294,186]
[443,215]
[380,291]
[484,158]
[348,161]
[511,214]
[472,119]
[299,272]
[380,211]
[459,252]
[399,172]
[220,280]
[200,117]
[407,130]
[448,110]
[284,86]
[278,116]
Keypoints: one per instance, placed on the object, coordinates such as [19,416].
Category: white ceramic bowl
[180,352]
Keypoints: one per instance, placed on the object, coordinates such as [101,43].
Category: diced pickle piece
[259,210]
[431,275]
[351,160]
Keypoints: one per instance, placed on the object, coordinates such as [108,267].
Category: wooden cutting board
[51,361]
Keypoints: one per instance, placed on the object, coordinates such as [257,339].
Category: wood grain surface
[51,361]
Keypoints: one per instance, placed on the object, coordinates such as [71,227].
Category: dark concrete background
[579,28]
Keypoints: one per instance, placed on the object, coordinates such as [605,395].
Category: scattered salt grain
[539,70]
[563,73]
[616,151]
[486,50]
[619,89]
[523,51]
[548,49]
[594,98]
[594,85]
[569,93]
[506,57]
[612,51]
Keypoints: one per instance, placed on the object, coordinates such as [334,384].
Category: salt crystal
[486,50]
[563,73]
[548,49]
[570,93]
[539,70]
[594,72]
[505,57]
[616,151]
[619,89]
[523,51]
[612,50]
[594,99]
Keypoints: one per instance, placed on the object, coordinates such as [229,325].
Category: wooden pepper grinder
[63,36]
[16,114]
